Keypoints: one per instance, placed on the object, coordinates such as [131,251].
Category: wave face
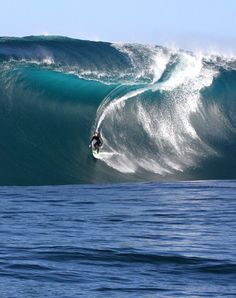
[164,114]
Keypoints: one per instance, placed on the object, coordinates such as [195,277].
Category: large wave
[164,113]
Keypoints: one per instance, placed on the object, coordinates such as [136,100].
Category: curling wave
[164,114]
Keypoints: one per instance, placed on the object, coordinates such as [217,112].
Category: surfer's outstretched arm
[93,138]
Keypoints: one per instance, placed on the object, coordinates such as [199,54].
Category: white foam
[119,102]
[168,125]
[147,61]
[158,66]
[48,60]
[188,67]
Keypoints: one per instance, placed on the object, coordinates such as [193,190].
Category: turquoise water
[122,240]
[164,114]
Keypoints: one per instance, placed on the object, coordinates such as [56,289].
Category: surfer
[98,141]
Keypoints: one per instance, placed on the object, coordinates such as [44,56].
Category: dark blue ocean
[172,239]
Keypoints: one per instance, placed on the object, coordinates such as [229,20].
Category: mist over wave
[164,113]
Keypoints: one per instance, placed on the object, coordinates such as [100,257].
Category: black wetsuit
[98,140]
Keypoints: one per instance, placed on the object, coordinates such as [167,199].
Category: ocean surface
[119,240]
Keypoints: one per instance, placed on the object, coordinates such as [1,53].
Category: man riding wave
[98,141]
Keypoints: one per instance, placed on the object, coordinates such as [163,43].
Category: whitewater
[165,114]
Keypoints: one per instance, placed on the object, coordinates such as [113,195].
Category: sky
[189,24]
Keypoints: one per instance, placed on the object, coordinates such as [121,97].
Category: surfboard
[94,151]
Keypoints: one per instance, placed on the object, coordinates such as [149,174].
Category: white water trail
[175,143]
[117,103]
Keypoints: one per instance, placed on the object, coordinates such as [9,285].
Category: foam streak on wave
[176,143]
